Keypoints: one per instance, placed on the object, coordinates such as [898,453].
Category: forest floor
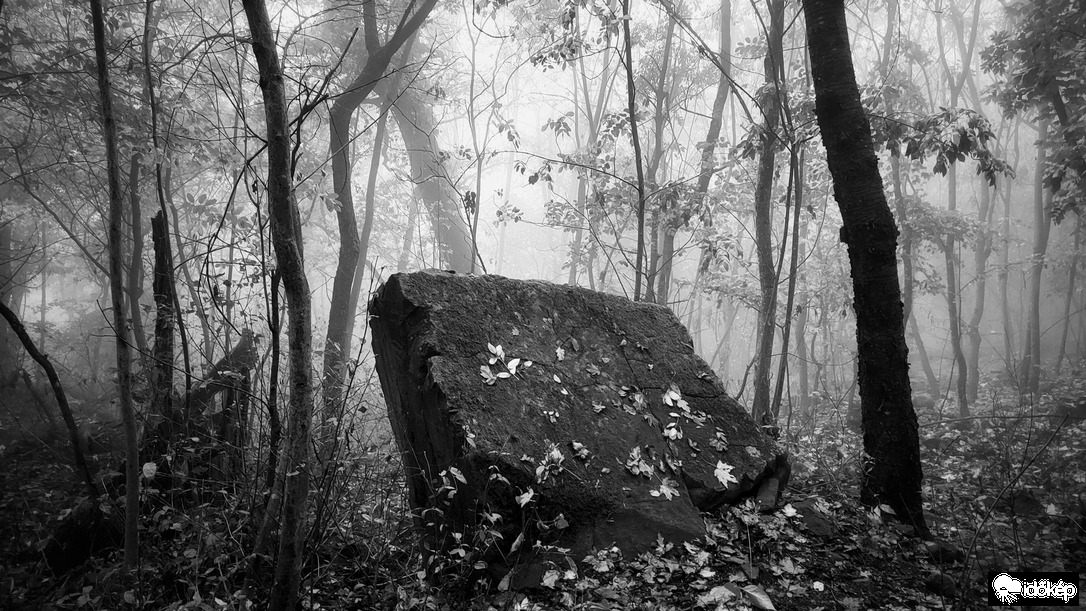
[1005,489]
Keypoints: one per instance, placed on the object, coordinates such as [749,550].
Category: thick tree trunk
[287,241]
[162,355]
[763,215]
[892,472]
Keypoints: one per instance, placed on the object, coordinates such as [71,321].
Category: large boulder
[582,419]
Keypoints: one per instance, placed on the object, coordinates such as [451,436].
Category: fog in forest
[496,138]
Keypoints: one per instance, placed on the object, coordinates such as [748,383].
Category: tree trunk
[664,222]
[763,214]
[803,357]
[892,471]
[1031,354]
[953,294]
[162,357]
[1070,297]
[287,241]
[631,108]
[58,391]
[135,266]
[1004,271]
[981,251]
[43,309]
[716,121]
[275,423]
[379,141]
[594,112]
[578,234]
[341,315]
[409,234]
[793,270]
[116,284]
[15,270]
[925,363]
[418,129]
[666,259]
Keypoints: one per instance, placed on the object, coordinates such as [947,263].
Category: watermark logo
[1029,589]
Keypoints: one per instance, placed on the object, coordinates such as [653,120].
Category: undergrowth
[1005,489]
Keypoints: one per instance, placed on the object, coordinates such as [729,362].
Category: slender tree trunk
[287,240]
[1004,272]
[803,356]
[379,141]
[594,112]
[631,108]
[408,235]
[116,283]
[341,315]
[981,251]
[162,185]
[135,266]
[44,307]
[58,391]
[664,223]
[763,215]
[925,363]
[418,128]
[474,198]
[953,293]
[367,220]
[716,121]
[9,363]
[955,83]
[582,182]
[166,194]
[1031,358]
[653,258]
[793,270]
[275,423]
[1070,296]
[578,234]
[892,472]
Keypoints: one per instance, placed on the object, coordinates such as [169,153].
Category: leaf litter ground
[1004,490]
